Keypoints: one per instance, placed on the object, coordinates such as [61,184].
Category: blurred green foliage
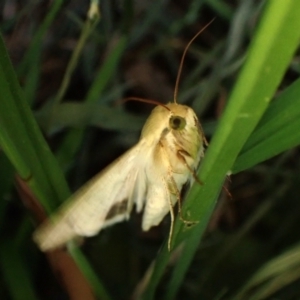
[61,120]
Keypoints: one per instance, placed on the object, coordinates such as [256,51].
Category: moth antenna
[150,101]
[183,57]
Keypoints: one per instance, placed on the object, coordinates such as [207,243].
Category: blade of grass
[236,37]
[259,78]
[107,70]
[220,7]
[276,284]
[23,143]
[21,139]
[277,131]
[280,266]
[154,12]
[32,79]
[36,43]
[87,29]
[102,78]
[79,115]
[83,264]
[256,85]
[30,64]
[75,136]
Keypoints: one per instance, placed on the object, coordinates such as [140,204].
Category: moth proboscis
[150,176]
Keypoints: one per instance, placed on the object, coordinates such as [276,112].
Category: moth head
[181,118]
[175,124]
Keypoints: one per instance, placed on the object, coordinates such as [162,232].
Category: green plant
[253,128]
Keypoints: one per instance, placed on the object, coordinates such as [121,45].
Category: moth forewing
[90,208]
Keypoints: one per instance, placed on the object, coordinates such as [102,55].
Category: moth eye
[177,123]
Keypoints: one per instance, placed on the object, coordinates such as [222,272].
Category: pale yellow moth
[150,176]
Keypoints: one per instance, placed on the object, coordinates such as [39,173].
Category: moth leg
[181,157]
[172,216]
[171,188]
[177,194]
[226,189]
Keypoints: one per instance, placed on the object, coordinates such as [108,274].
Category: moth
[149,176]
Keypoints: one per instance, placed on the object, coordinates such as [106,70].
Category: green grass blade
[81,115]
[221,7]
[255,87]
[102,78]
[88,272]
[24,145]
[284,267]
[86,30]
[106,71]
[277,131]
[14,139]
[32,79]
[31,61]
[22,141]
[35,46]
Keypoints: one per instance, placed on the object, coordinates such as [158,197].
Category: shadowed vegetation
[64,69]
